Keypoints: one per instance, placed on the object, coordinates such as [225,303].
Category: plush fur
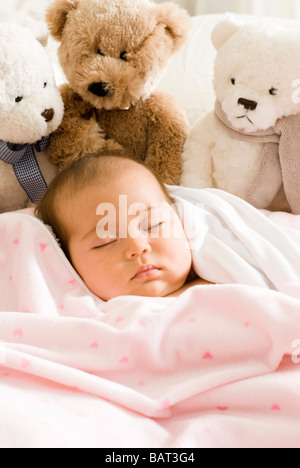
[25,72]
[257,71]
[113,53]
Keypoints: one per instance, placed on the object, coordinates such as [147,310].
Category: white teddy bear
[256,82]
[31,108]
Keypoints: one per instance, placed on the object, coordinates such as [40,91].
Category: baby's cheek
[180,246]
[104,288]
[95,275]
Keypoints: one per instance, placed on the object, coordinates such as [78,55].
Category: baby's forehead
[137,182]
[129,183]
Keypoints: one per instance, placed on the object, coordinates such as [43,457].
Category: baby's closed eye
[154,226]
[107,243]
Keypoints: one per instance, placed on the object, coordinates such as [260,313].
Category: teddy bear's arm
[268,179]
[167,132]
[79,133]
[289,151]
[197,155]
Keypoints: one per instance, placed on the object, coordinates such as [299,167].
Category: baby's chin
[156,289]
[149,289]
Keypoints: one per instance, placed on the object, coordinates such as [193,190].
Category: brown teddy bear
[113,53]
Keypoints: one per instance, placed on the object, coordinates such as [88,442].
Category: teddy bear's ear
[57,15]
[38,28]
[176,21]
[224,30]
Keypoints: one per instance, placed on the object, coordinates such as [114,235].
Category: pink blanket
[218,366]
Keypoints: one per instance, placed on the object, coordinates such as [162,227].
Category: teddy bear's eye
[123,56]
[233,81]
[273,91]
[99,52]
[19,99]
[45,84]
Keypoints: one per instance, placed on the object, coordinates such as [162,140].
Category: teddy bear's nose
[99,89]
[48,114]
[249,105]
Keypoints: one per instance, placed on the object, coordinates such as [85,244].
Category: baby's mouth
[146,271]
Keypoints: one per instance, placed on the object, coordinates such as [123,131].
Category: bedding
[216,367]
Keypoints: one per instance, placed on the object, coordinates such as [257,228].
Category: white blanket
[216,367]
[233,242]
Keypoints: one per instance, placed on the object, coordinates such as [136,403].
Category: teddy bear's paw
[169,173]
[74,105]
[92,137]
[171,179]
[111,147]
[74,139]
[70,98]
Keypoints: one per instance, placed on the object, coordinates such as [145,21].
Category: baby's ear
[57,15]
[176,21]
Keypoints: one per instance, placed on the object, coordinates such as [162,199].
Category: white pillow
[16,10]
[189,76]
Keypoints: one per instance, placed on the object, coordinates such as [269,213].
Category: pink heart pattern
[276,408]
[18,332]
[25,363]
[124,360]
[207,356]
[223,409]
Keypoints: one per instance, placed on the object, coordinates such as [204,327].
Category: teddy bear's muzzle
[99,89]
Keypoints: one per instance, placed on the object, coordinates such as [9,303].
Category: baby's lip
[146,271]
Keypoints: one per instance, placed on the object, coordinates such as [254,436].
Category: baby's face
[126,239]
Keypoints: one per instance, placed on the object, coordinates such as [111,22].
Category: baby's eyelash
[105,245]
[156,225]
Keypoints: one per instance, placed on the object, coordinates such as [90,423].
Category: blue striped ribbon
[27,170]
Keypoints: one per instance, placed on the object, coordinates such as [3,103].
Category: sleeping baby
[118,226]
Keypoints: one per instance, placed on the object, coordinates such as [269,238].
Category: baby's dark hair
[77,176]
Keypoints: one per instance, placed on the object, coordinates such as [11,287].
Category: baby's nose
[137,247]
